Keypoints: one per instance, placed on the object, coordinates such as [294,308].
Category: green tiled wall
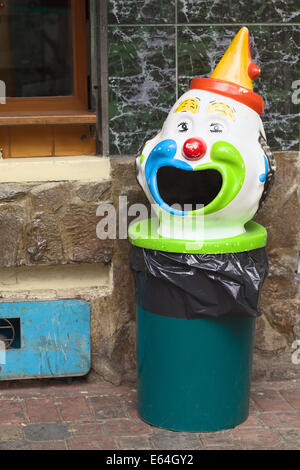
[155,48]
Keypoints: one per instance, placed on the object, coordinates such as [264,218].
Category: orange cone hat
[234,74]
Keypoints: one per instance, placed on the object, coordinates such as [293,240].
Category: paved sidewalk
[48,415]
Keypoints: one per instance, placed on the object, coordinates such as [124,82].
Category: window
[43,63]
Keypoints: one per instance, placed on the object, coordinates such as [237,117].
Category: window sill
[79,168]
[47,118]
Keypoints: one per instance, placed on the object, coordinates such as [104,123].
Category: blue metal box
[44,339]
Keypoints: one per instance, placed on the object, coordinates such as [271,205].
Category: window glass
[36,47]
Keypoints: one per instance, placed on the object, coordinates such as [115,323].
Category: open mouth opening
[177,186]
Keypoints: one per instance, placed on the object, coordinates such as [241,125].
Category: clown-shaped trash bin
[200,263]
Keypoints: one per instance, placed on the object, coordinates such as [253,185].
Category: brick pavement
[50,415]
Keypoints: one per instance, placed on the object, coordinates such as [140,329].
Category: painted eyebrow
[222,103]
[214,101]
[221,108]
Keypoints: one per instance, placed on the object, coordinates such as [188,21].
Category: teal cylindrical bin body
[194,375]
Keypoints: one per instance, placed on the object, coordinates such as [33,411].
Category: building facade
[86,84]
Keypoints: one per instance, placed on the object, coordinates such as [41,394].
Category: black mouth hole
[182,187]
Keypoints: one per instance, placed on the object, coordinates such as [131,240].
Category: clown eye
[216,128]
[183,127]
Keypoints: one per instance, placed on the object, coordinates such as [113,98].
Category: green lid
[144,234]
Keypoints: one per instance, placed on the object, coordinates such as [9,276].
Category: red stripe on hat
[231,90]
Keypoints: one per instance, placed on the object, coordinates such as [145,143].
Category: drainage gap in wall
[10,332]
[298,267]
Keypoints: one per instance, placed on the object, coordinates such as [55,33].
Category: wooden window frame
[58,125]
[61,104]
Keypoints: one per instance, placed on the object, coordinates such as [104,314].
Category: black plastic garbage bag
[191,285]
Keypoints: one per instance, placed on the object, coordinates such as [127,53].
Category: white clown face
[206,163]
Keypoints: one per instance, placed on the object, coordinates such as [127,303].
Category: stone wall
[114,338]
[279,325]
[54,224]
[280,300]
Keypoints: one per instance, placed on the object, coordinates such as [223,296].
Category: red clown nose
[194,148]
